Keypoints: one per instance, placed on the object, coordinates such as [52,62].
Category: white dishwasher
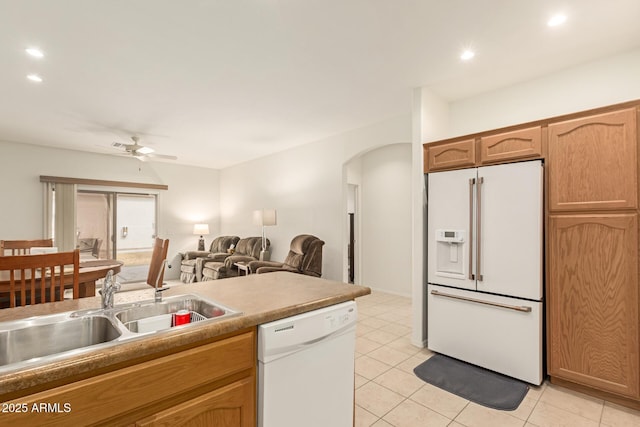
[306,369]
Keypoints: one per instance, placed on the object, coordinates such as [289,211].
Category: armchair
[305,257]
[193,261]
[248,249]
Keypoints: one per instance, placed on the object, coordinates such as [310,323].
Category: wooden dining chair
[158,257]
[36,276]
[23,247]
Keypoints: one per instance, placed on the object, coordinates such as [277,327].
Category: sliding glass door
[118,226]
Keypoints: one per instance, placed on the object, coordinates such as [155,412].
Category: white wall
[386,219]
[193,194]
[596,84]
[307,186]
[607,81]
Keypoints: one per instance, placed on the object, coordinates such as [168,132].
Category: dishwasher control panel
[339,318]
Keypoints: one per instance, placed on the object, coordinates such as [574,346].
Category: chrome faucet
[158,293]
[109,288]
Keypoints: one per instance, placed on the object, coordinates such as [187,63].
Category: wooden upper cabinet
[592,162]
[450,155]
[519,144]
[592,301]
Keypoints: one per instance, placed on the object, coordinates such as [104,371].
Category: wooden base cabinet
[593,301]
[229,406]
[210,384]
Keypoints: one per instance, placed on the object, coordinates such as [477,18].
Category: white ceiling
[219,82]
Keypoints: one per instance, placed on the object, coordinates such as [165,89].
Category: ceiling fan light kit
[141,152]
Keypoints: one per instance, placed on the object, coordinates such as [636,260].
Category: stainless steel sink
[44,339]
[199,308]
[58,336]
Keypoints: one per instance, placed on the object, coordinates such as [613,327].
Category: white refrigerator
[484,256]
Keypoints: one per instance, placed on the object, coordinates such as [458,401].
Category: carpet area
[473,383]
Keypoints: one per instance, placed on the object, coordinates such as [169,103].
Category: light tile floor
[389,394]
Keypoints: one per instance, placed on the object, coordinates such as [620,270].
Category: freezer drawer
[497,333]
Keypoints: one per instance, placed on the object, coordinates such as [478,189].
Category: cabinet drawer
[451,155]
[109,395]
[524,143]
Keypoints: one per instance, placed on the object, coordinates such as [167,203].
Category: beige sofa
[193,261]
[247,250]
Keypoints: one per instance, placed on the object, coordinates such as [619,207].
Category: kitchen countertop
[261,298]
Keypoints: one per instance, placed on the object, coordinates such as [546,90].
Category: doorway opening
[352,231]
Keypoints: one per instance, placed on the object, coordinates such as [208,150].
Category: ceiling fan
[141,152]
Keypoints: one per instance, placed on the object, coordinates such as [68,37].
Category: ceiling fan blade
[161,156]
[121,146]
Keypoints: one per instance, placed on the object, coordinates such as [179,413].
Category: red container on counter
[181,317]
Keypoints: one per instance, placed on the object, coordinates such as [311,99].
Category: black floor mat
[473,383]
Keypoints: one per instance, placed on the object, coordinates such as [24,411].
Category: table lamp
[264,217]
[202,230]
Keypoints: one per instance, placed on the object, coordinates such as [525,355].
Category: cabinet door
[593,301]
[451,155]
[230,406]
[593,163]
[519,144]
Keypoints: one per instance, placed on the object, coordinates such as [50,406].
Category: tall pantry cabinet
[592,262]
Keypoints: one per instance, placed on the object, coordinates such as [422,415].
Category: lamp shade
[269,217]
[201,229]
[265,217]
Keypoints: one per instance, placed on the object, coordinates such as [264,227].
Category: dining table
[89,272]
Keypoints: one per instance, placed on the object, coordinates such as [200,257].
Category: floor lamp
[264,218]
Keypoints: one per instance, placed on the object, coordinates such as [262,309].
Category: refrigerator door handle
[495,304]
[479,229]
[472,182]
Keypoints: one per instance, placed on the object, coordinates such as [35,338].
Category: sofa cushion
[213,270]
[222,243]
[188,265]
[250,246]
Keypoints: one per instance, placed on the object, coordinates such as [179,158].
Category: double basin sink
[44,339]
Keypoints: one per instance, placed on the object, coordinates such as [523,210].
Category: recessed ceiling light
[36,53]
[35,78]
[467,54]
[556,20]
